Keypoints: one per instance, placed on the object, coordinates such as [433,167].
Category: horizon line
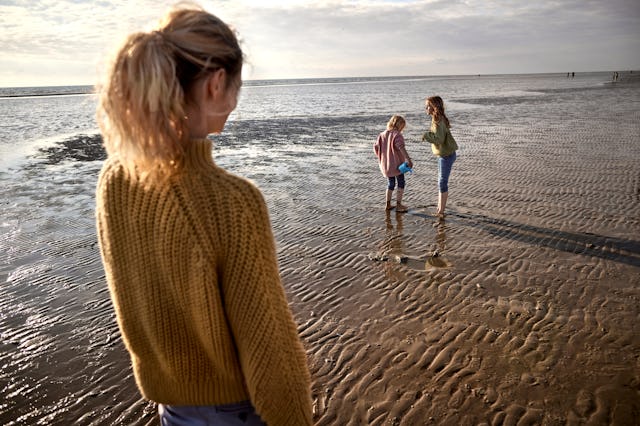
[341,78]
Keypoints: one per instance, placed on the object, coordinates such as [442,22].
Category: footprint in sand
[433,260]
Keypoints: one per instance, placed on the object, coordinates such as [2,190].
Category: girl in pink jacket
[391,153]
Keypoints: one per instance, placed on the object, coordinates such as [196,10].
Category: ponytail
[141,109]
[141,105]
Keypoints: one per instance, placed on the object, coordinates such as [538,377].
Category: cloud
[53,42]
[375,38]
[296,38]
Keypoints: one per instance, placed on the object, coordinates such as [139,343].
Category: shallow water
[534,317]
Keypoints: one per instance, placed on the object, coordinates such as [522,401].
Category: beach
[521,307]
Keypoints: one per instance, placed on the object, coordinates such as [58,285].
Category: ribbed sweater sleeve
[271,355]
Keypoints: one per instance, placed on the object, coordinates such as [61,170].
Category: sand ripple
[530,315]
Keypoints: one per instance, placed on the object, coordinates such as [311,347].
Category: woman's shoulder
[220,179]
[112,168]
[209,175]
[241,196]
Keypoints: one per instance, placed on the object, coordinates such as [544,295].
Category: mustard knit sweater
[193,276]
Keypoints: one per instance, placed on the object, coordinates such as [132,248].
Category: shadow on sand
[605,247]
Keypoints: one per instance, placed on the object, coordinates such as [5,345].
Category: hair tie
[160,35]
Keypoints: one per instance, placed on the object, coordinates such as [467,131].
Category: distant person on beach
[443,145]
[390,150]
[188,249]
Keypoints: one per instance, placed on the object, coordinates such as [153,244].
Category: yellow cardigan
[193,276]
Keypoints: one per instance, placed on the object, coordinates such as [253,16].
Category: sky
[46,42]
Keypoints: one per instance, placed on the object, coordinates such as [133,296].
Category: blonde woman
[391,152]
[187,247]
[443,145]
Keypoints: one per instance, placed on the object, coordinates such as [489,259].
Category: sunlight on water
[61,357]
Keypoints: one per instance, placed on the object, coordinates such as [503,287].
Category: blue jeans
[240,414]
[391,185]
[444,170]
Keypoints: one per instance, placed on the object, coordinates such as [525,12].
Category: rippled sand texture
[529,314]
[534,321]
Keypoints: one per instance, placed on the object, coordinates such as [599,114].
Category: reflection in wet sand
[392,248]
[436,259]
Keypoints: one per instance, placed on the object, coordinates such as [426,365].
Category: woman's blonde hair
[141,107]
[396,122]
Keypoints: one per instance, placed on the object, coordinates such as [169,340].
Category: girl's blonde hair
[141,107]
[396,122]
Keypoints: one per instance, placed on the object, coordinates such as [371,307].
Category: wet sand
[530,313]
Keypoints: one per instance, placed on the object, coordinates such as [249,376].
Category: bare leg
[442,203]
[388,196]
[400,208]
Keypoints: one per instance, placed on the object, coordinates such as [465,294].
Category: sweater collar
[199,153]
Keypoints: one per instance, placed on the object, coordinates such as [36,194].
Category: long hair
[437,104]
[141,107]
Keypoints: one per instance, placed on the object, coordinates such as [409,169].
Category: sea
[56,324]
[42,119]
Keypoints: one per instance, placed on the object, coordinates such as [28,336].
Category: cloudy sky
[47,42]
